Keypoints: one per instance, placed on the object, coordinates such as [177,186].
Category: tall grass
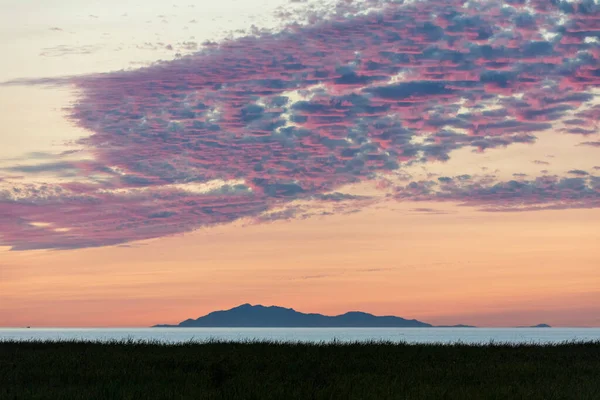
[215,369]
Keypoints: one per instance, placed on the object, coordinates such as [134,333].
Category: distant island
[455,326]
[248,315]
[536,326]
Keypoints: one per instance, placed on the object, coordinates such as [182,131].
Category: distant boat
[28,327]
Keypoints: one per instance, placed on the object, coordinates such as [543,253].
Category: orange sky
[457,265]
[487,269]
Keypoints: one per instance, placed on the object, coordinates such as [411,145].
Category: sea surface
[315,335]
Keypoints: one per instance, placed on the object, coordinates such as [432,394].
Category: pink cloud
[223,113]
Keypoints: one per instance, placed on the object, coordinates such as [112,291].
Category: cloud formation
[544,192]
[591,144]
[297,114]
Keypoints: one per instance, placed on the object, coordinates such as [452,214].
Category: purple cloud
[372,84]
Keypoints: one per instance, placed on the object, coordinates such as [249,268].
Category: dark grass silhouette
[278,370]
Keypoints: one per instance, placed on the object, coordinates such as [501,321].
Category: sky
[430,159]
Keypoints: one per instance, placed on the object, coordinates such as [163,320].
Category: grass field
[262,370]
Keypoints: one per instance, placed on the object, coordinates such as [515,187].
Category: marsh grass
[214,369]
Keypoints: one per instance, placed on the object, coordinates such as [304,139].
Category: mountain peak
[248,315]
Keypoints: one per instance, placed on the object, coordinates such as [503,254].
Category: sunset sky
[430,159]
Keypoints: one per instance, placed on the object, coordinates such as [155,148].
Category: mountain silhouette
[536,326]
[456,326]
[248,315]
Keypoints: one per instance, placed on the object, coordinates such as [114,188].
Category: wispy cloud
[591,144]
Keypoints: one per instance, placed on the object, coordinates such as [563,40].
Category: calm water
[412,335]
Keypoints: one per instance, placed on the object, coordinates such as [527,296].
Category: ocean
[314,335]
